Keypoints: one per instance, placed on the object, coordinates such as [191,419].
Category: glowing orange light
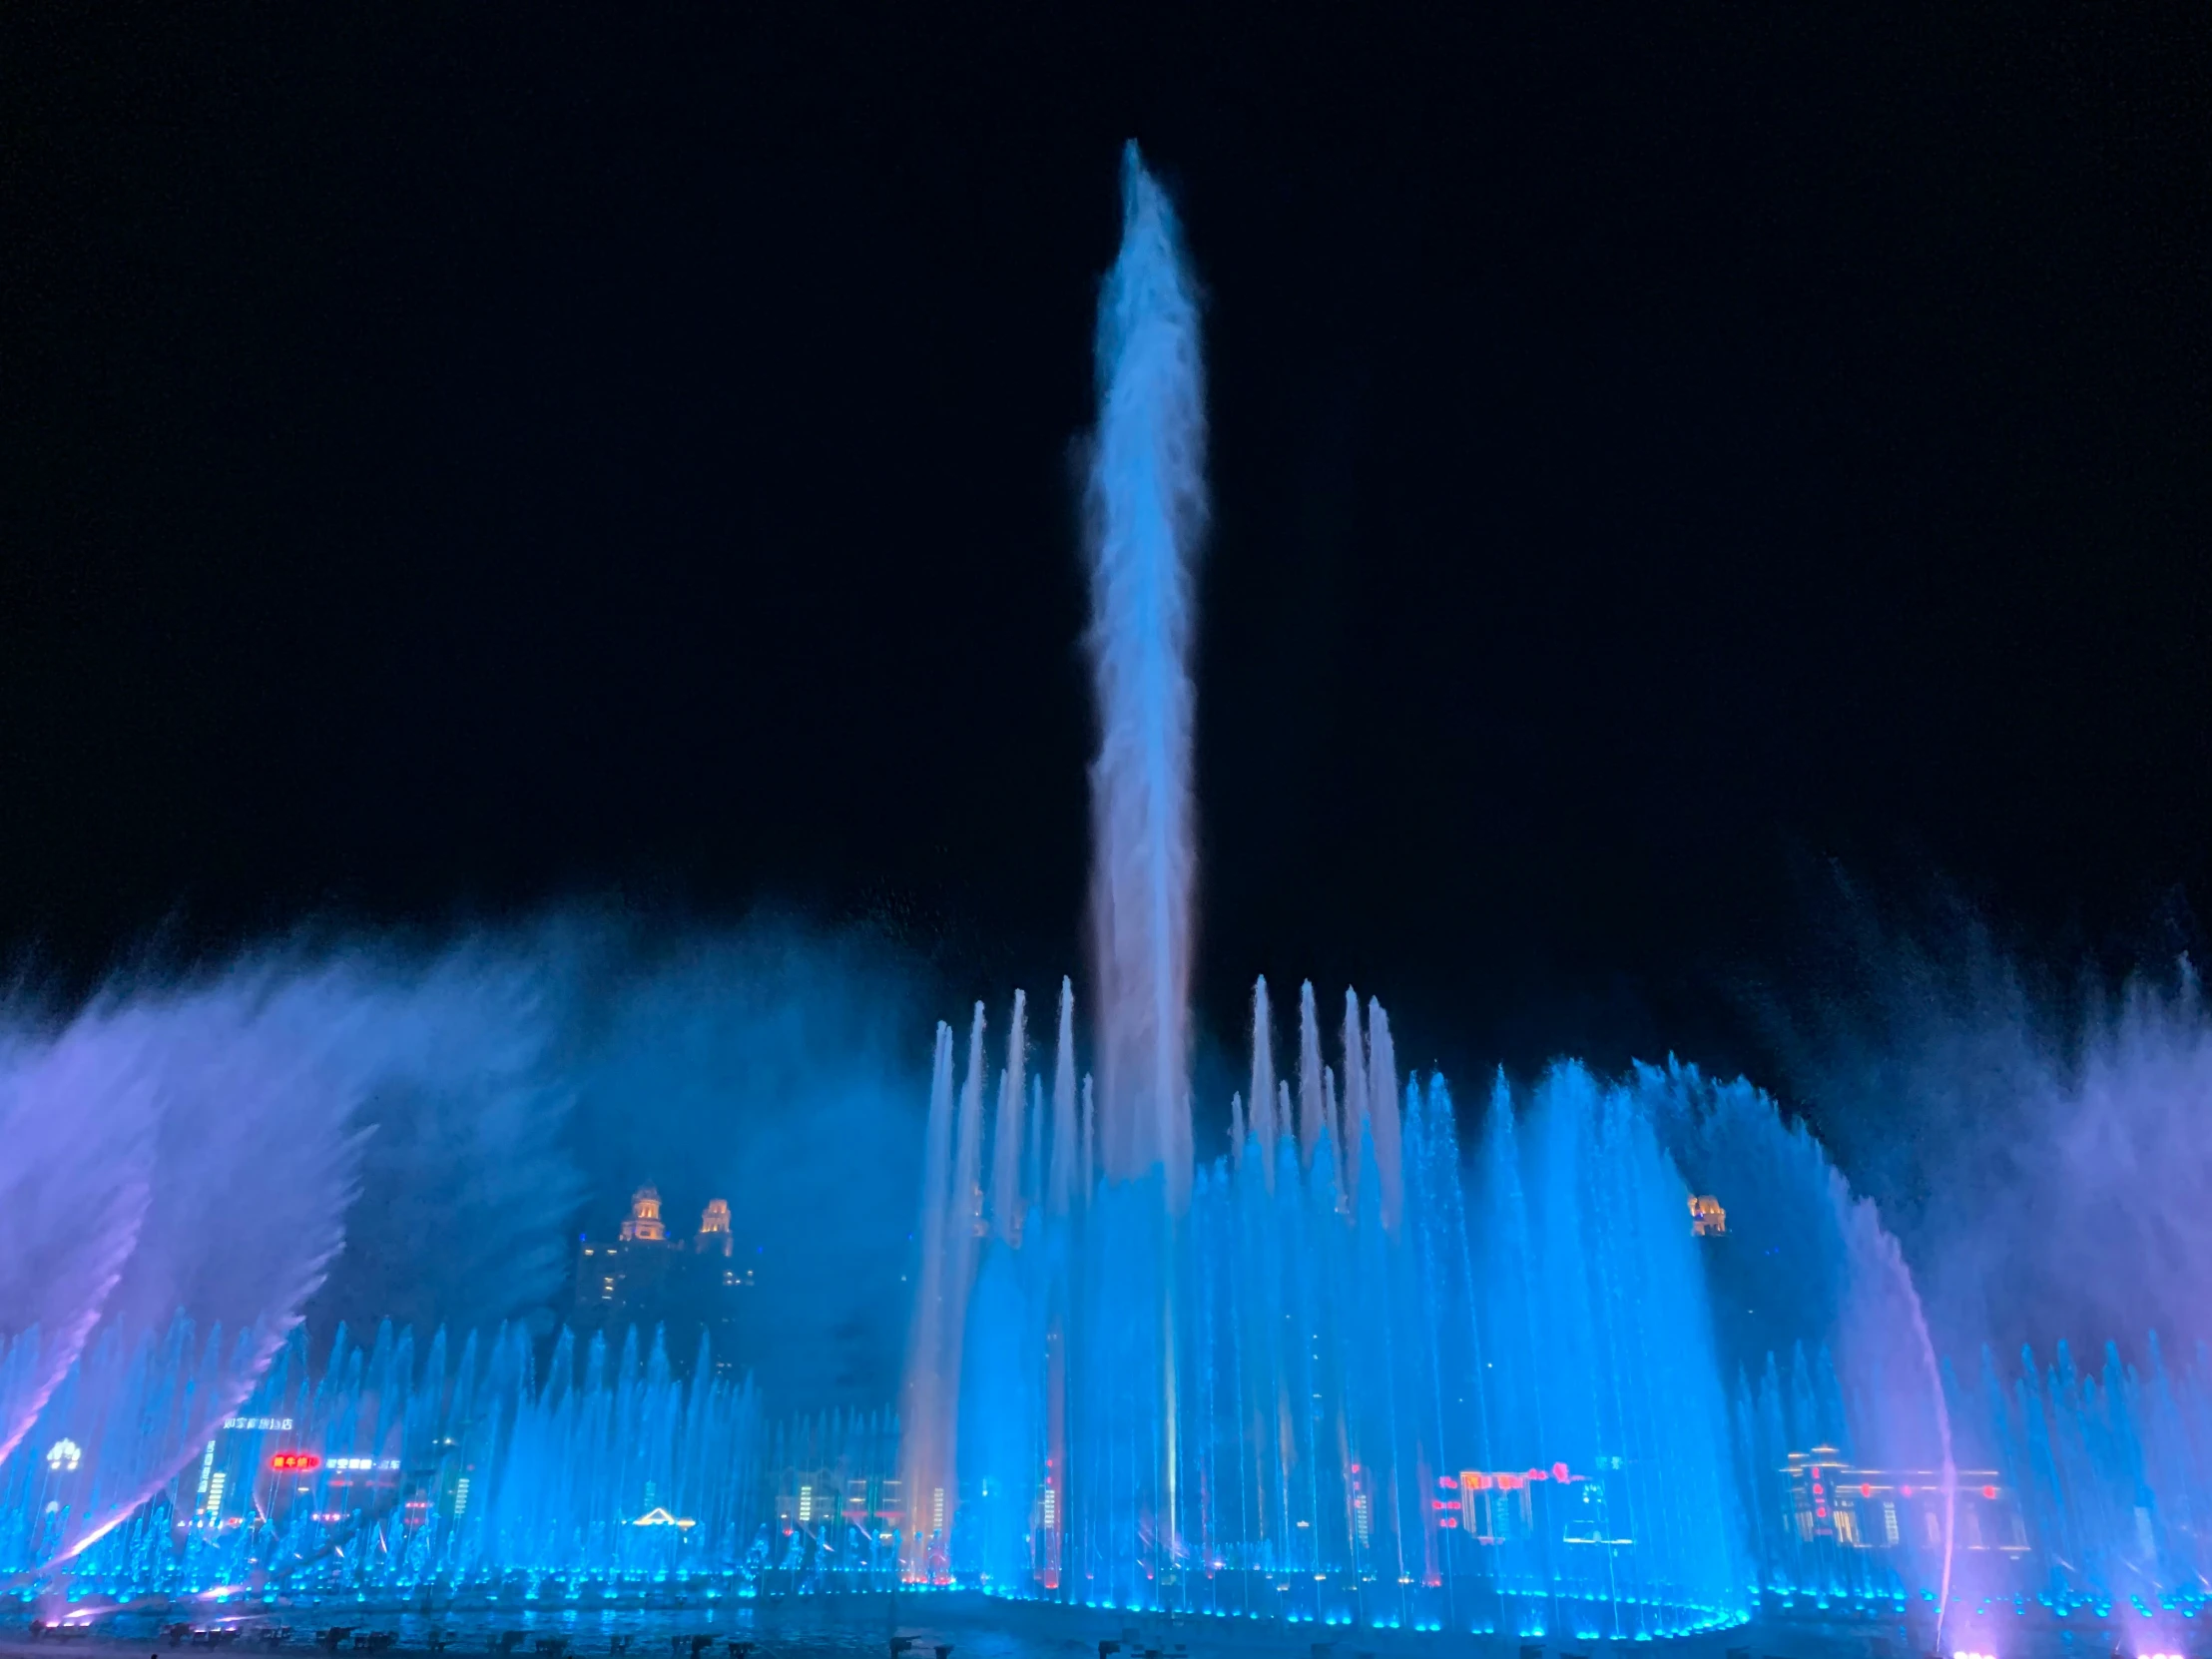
[290,1460]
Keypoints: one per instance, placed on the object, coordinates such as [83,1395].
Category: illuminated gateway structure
[1592,1359]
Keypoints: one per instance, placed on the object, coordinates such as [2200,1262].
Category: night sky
[463,458]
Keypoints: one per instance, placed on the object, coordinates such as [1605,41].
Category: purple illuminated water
[1381,1358]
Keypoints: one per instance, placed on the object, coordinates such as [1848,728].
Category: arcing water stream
[1628,1359]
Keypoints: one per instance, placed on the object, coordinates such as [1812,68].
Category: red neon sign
[290,1461]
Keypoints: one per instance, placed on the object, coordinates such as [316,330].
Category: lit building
[1831,1501]
[814,1497]
[687,1287]
[644,1223]
[1706,1218]
[714,1229]
[1497,1506]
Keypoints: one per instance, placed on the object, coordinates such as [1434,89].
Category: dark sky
[457,457]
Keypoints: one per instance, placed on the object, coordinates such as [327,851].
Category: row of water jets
[460,1472]
[1353,1369]
[1525,1385]
[1500,1383]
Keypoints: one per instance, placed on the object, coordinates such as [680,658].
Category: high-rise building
[689,1288]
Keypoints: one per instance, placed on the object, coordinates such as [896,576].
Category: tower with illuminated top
[714,1230]
[684,1287]
[645,1224]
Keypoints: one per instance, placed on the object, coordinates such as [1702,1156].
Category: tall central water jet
[1244,1386]
[1147,515]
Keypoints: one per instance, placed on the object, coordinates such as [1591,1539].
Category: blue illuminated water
[1386,1359]
[1489,1395]
[456,1471]
[1475,1389]
[1344,1374]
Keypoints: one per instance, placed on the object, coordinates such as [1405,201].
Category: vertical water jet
[1147,511]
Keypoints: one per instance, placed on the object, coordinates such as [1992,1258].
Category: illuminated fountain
[1420,1389]
[1627,1358]
[1343,1373]
[1351,1371]
[457,1474]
